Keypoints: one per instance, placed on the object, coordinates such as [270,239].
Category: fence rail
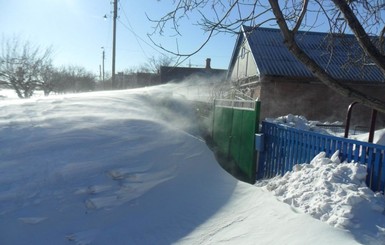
[236,104]
[284,147]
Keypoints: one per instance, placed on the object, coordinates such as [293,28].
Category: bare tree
[72,79]
[22,65]
[359,17]
[48,79]
[154,63]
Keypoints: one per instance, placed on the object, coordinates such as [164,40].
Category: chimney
[208,63]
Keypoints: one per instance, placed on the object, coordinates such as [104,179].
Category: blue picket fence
[285,146]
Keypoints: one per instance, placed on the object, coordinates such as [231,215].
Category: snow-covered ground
[300,122]
[129,167]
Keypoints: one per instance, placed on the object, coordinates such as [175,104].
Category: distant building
[262,66]
[169,74]
[136,80]
[180,74]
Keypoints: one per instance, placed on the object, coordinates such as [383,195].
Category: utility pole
[103,58]
[114,42]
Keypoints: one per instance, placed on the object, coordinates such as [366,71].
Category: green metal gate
[235,123]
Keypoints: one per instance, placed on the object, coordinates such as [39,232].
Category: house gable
[244,67]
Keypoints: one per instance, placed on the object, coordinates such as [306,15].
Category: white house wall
[244,66]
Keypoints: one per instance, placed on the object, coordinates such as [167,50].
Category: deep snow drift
[127,167]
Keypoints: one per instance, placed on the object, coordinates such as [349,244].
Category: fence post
[372,125]
[259,155]
[348,117]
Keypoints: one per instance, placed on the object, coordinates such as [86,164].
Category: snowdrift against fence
[334,193]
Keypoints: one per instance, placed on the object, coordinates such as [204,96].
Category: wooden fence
[285,146]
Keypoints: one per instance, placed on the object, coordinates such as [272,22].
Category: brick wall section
[315,101]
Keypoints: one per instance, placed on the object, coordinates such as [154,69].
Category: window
[243,52]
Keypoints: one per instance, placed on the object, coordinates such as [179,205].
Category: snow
[334,193]
[378,137]
[300,122]
[129,167]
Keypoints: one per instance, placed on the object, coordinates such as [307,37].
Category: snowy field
[129,167]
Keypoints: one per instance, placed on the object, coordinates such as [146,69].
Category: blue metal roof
[336,54]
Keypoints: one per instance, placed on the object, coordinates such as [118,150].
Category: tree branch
[301,16]
[324,77]
[361,35]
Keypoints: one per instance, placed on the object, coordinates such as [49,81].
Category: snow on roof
[335,53]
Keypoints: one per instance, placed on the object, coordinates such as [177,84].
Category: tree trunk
[16,88]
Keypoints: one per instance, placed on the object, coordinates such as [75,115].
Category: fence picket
[363,155]
[291,148]
[350,151]
[356,155]
[382,173]
[377,170]
[370,167]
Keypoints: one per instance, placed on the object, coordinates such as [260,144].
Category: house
[180,74]
[264,68]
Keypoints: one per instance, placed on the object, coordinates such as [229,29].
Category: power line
[137,37]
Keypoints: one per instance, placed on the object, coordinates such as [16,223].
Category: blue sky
[77,30]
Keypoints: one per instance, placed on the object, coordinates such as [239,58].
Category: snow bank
[332,192]
[379,137]
[299,122]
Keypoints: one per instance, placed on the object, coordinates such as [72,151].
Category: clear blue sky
[77,30]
